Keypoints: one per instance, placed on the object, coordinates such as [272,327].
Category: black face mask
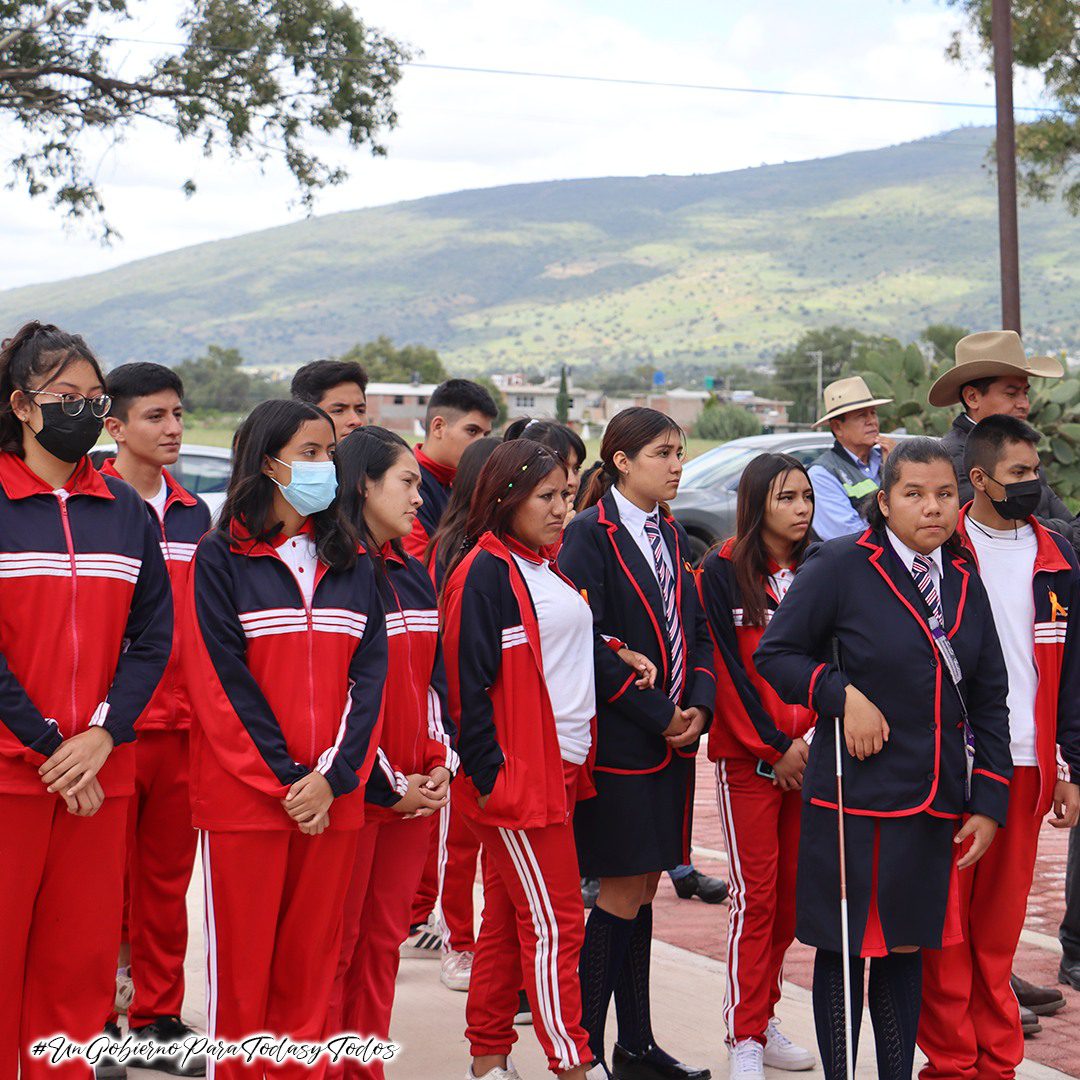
[1021,499]
[68,437]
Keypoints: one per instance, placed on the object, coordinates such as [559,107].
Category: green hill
[667,269]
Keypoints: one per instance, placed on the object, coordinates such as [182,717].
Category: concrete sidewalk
[429,1020]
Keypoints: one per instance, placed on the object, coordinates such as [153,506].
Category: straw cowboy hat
[989,355]
[847,395]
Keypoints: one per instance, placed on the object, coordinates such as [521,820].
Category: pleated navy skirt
[636,824]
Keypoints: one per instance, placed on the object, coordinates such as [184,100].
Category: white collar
[630,514]
[907,556]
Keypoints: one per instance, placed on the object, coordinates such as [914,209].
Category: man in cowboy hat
[845,477]
[991,378]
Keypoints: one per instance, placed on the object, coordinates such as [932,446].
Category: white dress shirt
[633,520]
[299,554]
[907,557]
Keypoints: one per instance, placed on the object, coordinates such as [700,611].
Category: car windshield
[717,466]
[202,475]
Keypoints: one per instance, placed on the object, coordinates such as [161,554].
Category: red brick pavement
[703,929]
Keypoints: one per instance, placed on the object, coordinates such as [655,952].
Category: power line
[603,79]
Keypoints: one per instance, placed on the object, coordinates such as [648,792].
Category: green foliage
[722,422]
[251,77]
[1046,39]
[1055,414]
[903,374]
[944,336]
[842,350]
[562,399]
[216,383]
[384,362]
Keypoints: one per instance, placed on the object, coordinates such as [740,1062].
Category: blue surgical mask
[312,487]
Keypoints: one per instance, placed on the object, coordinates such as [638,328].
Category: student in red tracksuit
[85,626]
[457,846]
[760,749]
[147,422]
[416,760]
[459,412]
[517,633]
[970,1022]
[286,661]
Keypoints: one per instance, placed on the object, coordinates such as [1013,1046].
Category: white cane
[845,948]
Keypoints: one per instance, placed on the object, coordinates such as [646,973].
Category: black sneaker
[165,1030]
[107,1067]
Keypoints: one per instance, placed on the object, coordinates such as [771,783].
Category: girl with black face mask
[85,633]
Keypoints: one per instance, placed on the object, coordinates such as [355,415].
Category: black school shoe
[165,1030]
[1069,973]
[710,889]
[653,1064]
[108,1068]
[1041,1000]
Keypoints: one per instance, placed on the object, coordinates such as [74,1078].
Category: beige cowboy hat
[990,354]
[847,395]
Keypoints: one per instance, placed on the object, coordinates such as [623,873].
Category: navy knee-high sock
[828,995]
[895,994]
[607,938]
[632,987]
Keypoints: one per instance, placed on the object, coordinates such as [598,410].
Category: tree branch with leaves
[249,78]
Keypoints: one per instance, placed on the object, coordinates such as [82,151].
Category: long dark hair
[629,431]
[366,454]
[921,450]
[37,350]
[749,556]
[448,538]
[509,477]
[250,499]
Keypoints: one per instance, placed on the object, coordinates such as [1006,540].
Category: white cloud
[471,130]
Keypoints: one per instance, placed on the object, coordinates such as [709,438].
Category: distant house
[401,407]
[537,400]
[770,411]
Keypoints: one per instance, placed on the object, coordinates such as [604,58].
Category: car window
[715,468]
[201,474]
[806,454]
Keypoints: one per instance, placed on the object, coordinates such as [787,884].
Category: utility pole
[818,356]
[1001,32]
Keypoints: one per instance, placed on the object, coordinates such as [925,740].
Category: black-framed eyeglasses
[73,404]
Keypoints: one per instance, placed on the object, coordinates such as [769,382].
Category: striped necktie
[671,609]
[922,572]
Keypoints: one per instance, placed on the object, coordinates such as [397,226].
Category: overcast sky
[470,130]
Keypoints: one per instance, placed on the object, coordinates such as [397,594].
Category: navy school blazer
[856,589]
[603,560]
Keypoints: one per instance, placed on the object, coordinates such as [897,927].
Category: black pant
[1069,934]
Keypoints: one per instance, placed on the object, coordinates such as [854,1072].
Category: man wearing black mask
[991,378]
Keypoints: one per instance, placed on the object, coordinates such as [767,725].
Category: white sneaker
[456,970]
[598,1072]
[125,990]
[509,1073]
[424,941]
[782,1053]
[746,1058]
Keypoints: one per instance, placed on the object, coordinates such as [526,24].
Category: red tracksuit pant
[970,1021]
[449,876]
[273,922]
[390,856]
[533,925]
[160,860]
[60,908]
[761,834]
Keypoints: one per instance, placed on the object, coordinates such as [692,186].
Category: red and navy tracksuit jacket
[85,619]
[1056,588]
[749,718]
[507,738]
[279,687]
[605,563]
[435,482]
[186,521]
[417,732]
[887,651]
